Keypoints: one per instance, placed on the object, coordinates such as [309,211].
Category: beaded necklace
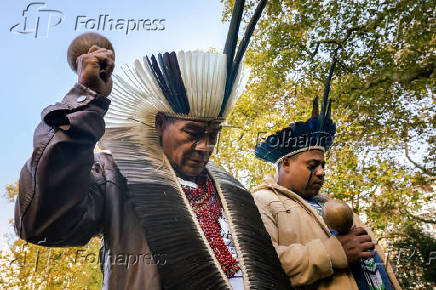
[208,209]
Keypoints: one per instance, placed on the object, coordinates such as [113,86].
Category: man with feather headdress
[169,218]
[313,255]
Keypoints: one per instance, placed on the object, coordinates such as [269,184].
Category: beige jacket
[309,254]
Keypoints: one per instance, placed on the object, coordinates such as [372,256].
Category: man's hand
[356,244]
[95,69]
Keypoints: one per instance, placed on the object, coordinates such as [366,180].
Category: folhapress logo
[38,20]
[107,23]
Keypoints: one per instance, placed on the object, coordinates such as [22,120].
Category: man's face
[188,144]
[303,173]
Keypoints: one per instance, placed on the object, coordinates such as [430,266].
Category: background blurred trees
[29,266]
[383,160]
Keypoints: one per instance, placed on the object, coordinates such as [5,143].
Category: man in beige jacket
[312,255]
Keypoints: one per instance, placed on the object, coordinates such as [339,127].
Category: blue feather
[166,72]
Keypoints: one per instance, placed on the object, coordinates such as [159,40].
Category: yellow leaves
[11,191]
[28,266]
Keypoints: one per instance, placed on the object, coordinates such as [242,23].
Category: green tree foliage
[384,99]
[416,249]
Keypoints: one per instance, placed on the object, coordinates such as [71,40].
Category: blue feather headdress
[317,133]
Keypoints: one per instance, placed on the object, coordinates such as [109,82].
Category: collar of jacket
[270,183]
[172,230]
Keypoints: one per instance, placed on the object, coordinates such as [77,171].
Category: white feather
[204,76]
[137,98]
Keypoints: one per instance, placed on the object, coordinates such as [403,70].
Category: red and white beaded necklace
[208,208]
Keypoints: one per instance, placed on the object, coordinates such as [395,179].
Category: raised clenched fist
[94,69]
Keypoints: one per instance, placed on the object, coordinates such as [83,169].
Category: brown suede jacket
[68,194]
[151,239]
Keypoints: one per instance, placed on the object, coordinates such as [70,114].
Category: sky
[36,73]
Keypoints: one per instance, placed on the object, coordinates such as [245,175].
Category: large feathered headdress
[189,84]
[317,133]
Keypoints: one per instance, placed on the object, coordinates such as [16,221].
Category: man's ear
[160,123]
[286,163]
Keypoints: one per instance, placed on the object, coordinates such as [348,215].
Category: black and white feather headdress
[188,84]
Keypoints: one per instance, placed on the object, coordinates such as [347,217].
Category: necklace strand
[208,209]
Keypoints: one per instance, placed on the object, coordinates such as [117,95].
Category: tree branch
[416,164]
[344,66]
[423,220]
[404,77]
[315,51]
[362,29]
